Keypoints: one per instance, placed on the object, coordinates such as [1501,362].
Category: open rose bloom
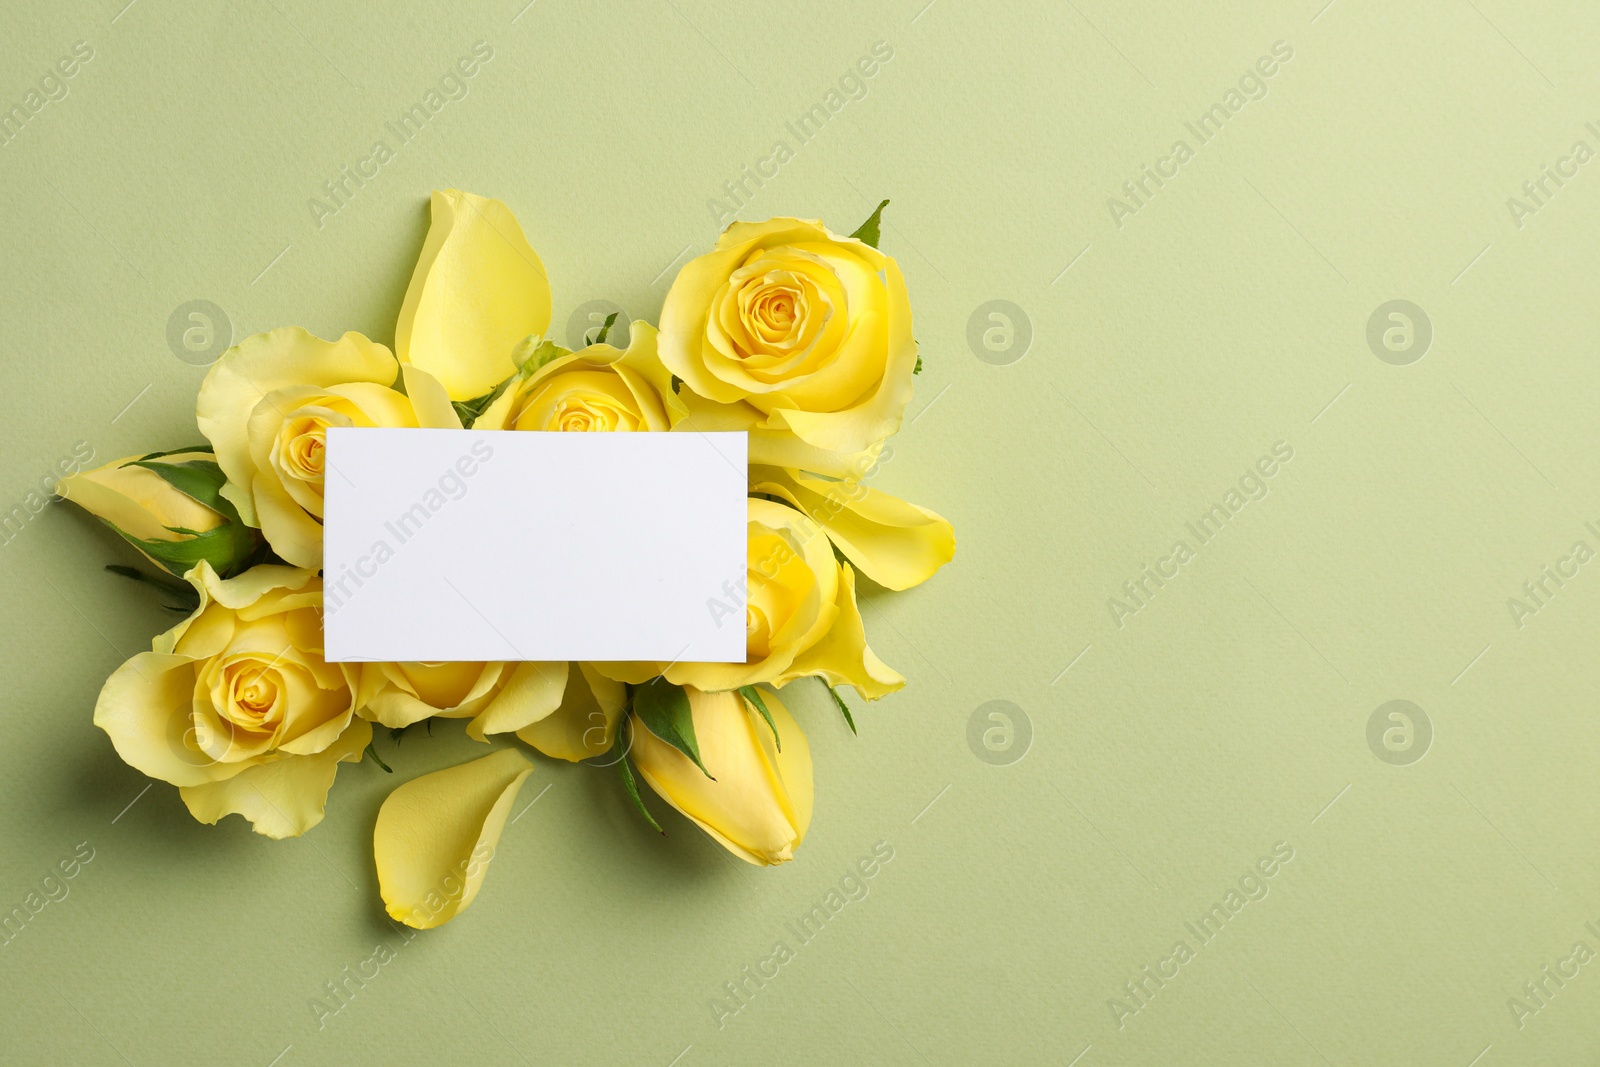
[795,329]
[785,330]
[236,706]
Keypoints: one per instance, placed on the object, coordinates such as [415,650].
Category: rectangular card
[463,545]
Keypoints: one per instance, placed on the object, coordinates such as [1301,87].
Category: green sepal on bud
[169,505]
[664,710]
[619,750]
[752,696]
[228,546]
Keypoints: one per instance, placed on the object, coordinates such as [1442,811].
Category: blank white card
[452,545]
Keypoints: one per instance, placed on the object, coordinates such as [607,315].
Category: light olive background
[1167,355]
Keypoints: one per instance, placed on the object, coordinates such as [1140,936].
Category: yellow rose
[168,506]
[801,617]
[797,328]
[596,389]
[478,291]
[565,713]
[757,800]
[266,407]
[236,706]
[496,696]
[585,723]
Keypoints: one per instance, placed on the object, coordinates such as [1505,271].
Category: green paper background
[1167,354]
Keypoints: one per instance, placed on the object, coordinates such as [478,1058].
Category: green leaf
[263,554]
[188,599]
[664,710]
[918,368]
[224,547]
[839,700]
[752,695]
[372,752]
[867,232]
[180,451]
[605,328]
[470,410]
[619,749]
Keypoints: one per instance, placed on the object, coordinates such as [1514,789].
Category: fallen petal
[436,835]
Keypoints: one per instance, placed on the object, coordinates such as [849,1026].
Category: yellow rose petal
[397,695]
[792,581]
[436,835]
[895,543]
[633,673]
[842,656]
[288,528]
[533,692]
[684,316]
[429,400]
[478,290]
[586,722]
[244,592]
[136,708]
[643,359]
[284,797]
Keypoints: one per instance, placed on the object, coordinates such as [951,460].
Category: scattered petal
[436,835]
[478,291]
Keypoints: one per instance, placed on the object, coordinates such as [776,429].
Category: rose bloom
[801,617]
[266,407]
[565,710]
[596,389]
[236,706]
[797,328]
[756,801]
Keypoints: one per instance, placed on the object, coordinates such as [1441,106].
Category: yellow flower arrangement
[785,330]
